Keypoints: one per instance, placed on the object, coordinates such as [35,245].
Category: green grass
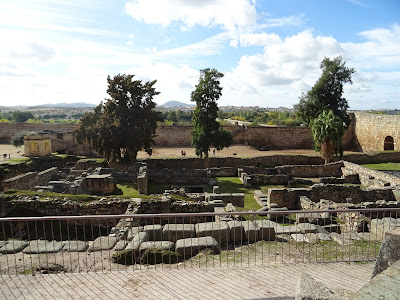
[383,166]
[234,185]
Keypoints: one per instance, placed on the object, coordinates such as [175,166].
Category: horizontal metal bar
[204,214]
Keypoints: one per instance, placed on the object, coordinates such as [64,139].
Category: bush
[18,139]
[124,257]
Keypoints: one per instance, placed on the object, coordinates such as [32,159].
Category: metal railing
[103,243]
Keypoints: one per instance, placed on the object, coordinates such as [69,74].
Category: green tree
[207,131]
[327,92]
[22,116]
[125,124]
[17,139]
[327,131]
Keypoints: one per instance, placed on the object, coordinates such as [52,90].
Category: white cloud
[228,14]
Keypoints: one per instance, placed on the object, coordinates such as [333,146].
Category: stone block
[43,246]
[216,189]
[217,230]
[159,245]
[380,226]
[290,229]
[154,232]
[136,241]
[103,243]
[121,244]
[251,231]
[191,246]
[75,246]
[238,199]
[299,238]
[236,232]
[133,232]
[307,228]
[389,251]
[266,230]
[174,232]
[13,246]
[332,228]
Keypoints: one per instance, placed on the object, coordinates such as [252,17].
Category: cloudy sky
[62,50]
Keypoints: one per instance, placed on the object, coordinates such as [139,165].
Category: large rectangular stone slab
[299,237]
[266,230]
[75,246]
[121,244]
[133,232]
[191,246]
[13,246]
[103,243]
[290,229]
[307,228]
[236,231]
[43,246]
[218,230]
[250,231]
[154,232]
[174,232]
[159,245]
[136,241]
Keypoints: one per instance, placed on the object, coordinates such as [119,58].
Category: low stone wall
[32,207]
[270,161]
[270,179]
[370,178]
[28,181]
[178,176]
[21,182]
[328,170]
[290,197]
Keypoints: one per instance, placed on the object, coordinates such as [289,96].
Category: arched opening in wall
[389,143]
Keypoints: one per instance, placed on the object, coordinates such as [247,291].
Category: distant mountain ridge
[176,104]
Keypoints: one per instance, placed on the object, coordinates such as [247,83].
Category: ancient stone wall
[310,171]
[289,197]
[178,176]
[28,181]
[7,130]
[371,178]
[21,208]
[372,129]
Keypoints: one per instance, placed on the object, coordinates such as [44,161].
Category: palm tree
[327,131]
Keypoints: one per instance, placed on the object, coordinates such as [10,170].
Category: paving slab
[13,246]
[174,232]
[191,246]
[75,246]
[103,243]
[218,230]
[276,281]
[43,246]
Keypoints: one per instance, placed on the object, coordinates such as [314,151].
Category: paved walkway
[266,282]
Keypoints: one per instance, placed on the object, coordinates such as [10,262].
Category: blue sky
[270,51]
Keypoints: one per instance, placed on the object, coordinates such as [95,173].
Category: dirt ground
[158,152]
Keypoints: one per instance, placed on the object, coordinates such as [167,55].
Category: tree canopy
[326,94]
[125,124]
[22,116]
[207,131]
[17,139]
[327,131]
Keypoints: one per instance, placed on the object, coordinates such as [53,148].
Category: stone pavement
[261,282]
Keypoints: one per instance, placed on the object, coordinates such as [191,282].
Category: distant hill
[68,105]
[176,104]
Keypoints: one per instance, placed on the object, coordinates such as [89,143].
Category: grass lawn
[234,185]
[384,166]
